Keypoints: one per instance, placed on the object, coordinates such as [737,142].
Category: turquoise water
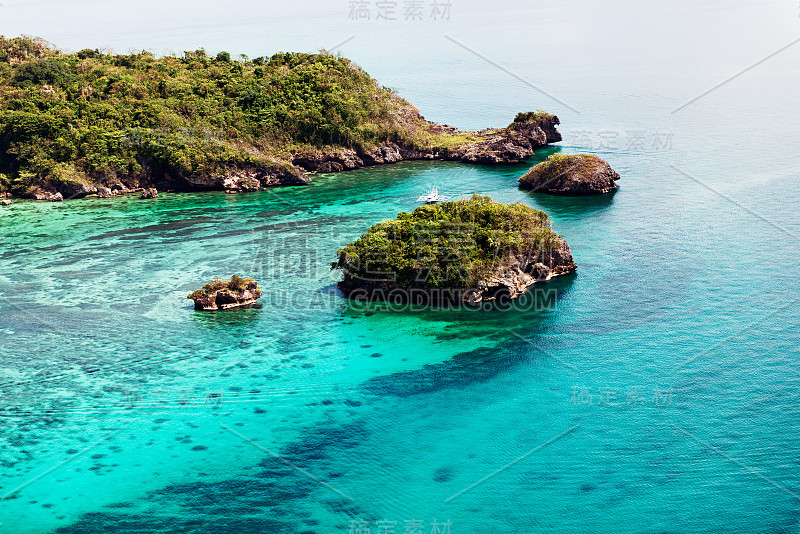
[657,393]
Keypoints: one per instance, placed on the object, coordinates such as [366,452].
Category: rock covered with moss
[562,174]
[226,294]
[462,251]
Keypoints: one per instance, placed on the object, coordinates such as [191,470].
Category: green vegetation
[236,284]
[92,117]
[448,245]
[534,116]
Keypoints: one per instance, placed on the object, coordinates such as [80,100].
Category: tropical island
[469,250]
[226,294]
[71,124]
[566,174]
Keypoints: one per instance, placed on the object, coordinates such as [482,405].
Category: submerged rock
[226,294]
[561,174]
[467,251]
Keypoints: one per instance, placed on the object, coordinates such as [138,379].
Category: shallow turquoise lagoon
[659,393]
[656,393]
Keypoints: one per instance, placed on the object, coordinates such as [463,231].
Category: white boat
[432,196]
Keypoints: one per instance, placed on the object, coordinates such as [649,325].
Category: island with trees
[464,251]
[90,122]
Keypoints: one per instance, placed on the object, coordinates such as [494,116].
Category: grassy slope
[91,117]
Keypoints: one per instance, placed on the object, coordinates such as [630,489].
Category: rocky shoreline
[508,281]
[520,273]
[511,145]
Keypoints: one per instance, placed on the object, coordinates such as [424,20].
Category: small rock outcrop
[562,174]
[226,294]
[459,261]
[151,192]
[5,202]
[514,144]
[49,196]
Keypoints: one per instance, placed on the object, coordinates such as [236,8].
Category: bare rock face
[248,179]
[151,192]
[225,300]
[561,174]
[334,161]
[514,144]
[76,190]
[48,195]
[225,295]
[244,181]
[387,153]
[330,166]
[520,273]
[104,192]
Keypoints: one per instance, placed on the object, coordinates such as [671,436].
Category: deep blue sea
[659,392]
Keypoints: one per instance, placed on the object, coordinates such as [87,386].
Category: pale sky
[579,49]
